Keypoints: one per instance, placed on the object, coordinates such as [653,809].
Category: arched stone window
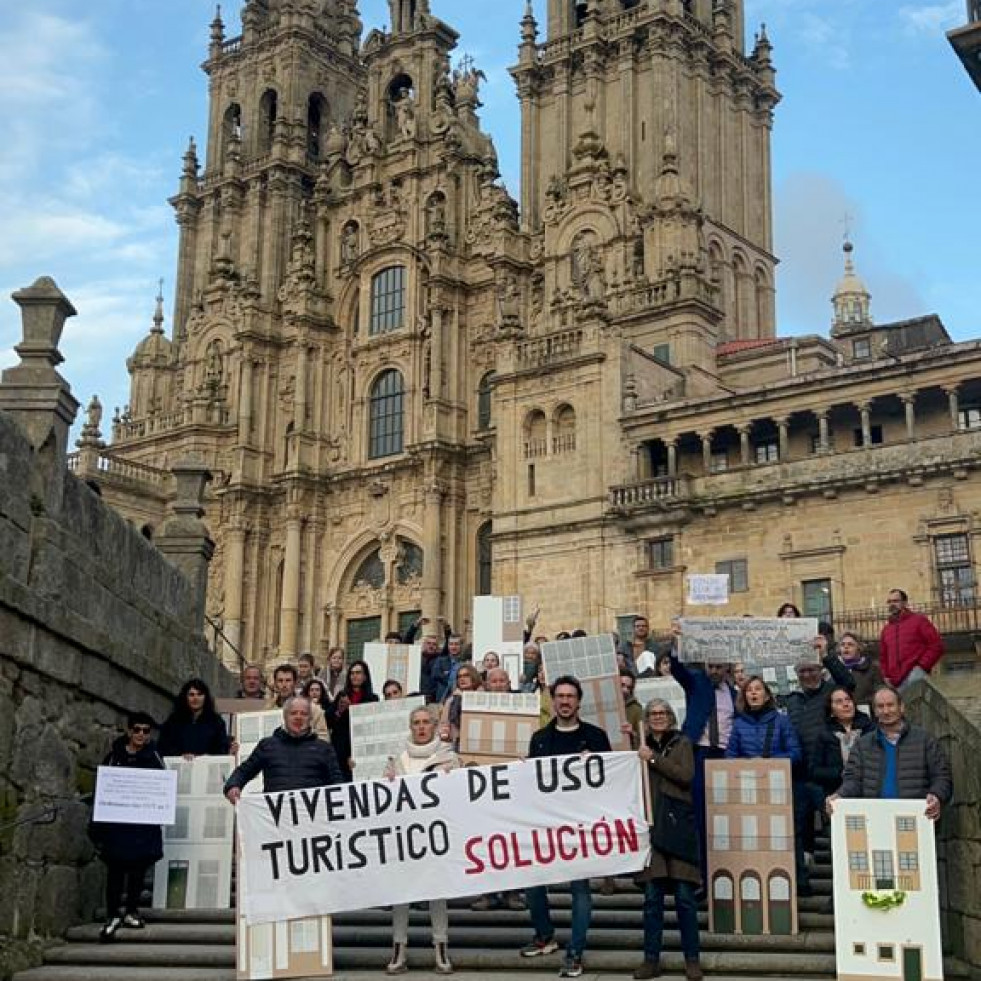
[484,401]
[371,572]
[387,300]
[564,430]
[536,434]
[386,416]
[750,904]
[485,560]
[781,915]
[723,903]
[268,111]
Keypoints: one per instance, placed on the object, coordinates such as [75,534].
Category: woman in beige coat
[671,767]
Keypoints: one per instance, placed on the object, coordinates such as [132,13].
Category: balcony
[661,491]
[541,351]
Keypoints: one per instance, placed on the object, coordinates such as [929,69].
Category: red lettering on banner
[536,842]
[627,839]
[519,862]
[559,835]
[476,865]
[497,851]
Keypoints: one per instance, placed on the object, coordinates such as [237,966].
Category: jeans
[437,917]
[687,908]
[702,753]
[582,911]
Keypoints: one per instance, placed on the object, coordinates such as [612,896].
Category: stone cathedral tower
[395,372]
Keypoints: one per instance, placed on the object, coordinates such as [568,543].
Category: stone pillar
[824,436]
[783,431]
[184,539]
[36,396]
[245,402]
[744,446]
[952,396]
[909,404]
[290,600]
[707,450]
[234,577]
[432,570]
[300,403]
[865,408]
[672,445]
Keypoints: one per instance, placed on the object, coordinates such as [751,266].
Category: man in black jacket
[565,735]
[292,758]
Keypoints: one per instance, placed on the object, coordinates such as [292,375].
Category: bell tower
[643,79]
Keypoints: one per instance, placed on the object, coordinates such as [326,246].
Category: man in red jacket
[909,645]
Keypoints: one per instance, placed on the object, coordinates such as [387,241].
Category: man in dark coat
[808,712]
[128,849]
[565,735]
[292,758]
[897,760]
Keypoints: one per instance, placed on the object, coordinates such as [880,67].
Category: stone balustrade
[546,350]
[656,491]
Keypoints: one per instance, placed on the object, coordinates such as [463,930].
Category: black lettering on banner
[333,799]
[555,774]
[275,804]
[380,834]
[320,847]
[572,780]
[500,790]
[439,838]
[432,799]
[382,796]
[416,852]
[311,798]
[354,847]
[405,799]
[595,770]
[296,816]
[360,805]
[271,847]
[297,867]
[476,784]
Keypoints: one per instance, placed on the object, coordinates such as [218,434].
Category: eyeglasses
[658,715]
[144,729]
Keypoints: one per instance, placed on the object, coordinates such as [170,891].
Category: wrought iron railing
[952,615]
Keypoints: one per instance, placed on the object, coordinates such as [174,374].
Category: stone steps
[61,973]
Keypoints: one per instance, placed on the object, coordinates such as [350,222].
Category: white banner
[132,795]
[440,835]
[754,641]
[708,590]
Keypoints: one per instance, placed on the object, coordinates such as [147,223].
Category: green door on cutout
[912,964]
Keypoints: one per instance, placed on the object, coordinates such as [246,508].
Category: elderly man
[808,711]
[897,760]
[253,683]
[909,645]
[497,680]
[292,758]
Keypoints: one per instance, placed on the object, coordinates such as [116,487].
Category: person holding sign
[674,840]
[128,850]
[425,752]
[565,735]
[292,758]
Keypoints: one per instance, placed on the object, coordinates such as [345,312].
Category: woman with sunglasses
[128,850]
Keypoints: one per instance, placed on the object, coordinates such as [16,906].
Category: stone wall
[956,722]
[94,621]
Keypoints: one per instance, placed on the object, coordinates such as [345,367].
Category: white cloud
[933,18]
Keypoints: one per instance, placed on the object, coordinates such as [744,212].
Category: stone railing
[232,45]
[117,468]
[549,349]
[564,443]
[956,722]
[535,448]
[658,490]
[164,422]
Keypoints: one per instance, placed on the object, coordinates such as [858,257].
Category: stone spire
[851,300]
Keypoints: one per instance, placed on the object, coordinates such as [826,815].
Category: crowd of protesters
[835,750]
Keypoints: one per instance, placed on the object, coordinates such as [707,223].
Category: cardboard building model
[496,727]
[749,816]
[394,662]
[291,948]
[379,731]
[498,626]
[887,908]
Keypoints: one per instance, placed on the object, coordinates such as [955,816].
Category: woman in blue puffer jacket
[759,730]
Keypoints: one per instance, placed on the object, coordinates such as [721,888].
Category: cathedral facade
[412,389]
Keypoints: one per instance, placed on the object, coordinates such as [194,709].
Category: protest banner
[378,732]
[132,795]
[498,626]
[437,835]
[886,891]
[708,590]
[497,727]
[755,641]
[593,662]
[749,820]
[196,869]
[665,688]
[284,948]
[394,662]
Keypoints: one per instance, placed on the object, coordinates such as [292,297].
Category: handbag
[674,831]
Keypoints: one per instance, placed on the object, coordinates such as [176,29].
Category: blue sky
[878,121]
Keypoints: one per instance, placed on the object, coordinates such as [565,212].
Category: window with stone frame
[386,426]
[766,451]
[861,348]
[660,553]
[388,289]
[485,557]
[484,403]
[371,572]
[969,416]
[410,562]
[954,569]
[738,572]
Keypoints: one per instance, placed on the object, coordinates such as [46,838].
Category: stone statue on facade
[587,269]
[405,115]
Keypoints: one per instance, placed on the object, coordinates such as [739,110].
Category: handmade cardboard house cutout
[196,869]
[887,905]
[752,883]
[379,731]
[496,727]
[498,626]
[291,948]
[394,662]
